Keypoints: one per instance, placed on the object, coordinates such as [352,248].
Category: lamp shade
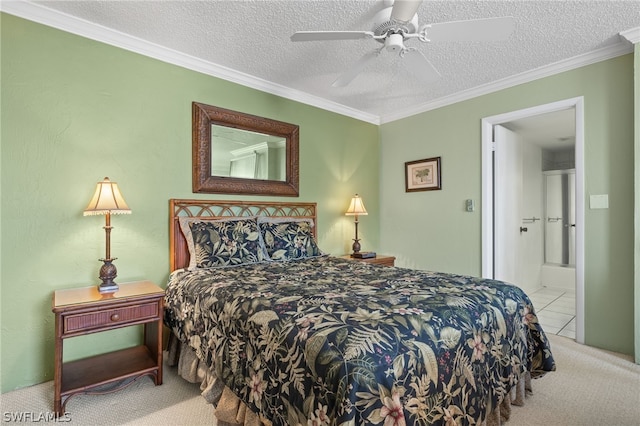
[107,199]
[356,207]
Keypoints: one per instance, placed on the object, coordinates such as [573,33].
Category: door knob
[523,229]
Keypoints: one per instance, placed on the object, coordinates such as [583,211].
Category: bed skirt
[229,410]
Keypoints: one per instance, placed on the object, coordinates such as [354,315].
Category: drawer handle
[115,317]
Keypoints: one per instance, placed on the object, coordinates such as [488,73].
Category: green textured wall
[74,111]
[442,236]
[636,73]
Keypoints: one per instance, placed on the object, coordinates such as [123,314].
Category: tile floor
[556,310]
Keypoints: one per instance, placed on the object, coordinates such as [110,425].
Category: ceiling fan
[397,23]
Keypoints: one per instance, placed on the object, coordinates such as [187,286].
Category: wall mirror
[237,153]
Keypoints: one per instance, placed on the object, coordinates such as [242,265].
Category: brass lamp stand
[106,200]
[108,270]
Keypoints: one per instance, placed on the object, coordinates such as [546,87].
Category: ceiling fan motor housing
[382,24]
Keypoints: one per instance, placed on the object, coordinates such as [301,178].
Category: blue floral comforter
[327,341]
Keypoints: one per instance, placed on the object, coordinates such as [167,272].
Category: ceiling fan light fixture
[394,43]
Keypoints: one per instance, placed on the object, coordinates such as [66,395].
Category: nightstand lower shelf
[92,372]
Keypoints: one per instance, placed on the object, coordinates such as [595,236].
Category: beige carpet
[591,387]
[175,402]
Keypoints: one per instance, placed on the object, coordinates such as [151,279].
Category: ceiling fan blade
[405,10]
[330,35]
[348,76]
[419,65]
[490,29]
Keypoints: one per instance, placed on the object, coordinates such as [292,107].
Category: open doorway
[533,207]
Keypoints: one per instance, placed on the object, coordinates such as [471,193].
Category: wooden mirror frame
[204,116]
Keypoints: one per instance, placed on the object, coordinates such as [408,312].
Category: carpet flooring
[590,387]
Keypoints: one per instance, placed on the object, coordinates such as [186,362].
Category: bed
[279,333]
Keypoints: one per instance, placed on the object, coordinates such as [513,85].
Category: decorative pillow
[288,238]
[222,242]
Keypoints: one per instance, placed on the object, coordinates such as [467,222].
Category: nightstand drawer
[111,317]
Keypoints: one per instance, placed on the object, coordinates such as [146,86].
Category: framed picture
[423,175]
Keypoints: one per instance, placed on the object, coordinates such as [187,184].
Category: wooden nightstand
[378,260]
[83,311]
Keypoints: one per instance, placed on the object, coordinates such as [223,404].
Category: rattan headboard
[212,209]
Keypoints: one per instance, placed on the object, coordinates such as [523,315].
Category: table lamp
[356,208]
[107,200]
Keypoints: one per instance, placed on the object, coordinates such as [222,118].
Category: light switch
[599,201]
[469,205]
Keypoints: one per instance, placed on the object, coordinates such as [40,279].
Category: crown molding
[602,54]
[62,21]
[71,24]
[632,35]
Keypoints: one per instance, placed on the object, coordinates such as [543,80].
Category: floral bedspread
[327,341]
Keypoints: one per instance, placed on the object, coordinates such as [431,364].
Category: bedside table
[378,260]
[84,311]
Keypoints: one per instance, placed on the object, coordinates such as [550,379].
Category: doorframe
[488,197]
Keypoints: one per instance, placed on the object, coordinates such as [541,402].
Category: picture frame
[423,175]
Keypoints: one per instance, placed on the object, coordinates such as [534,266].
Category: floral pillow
[288,238]
[223,242]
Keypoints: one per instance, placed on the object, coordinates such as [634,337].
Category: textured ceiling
[251,39]
[550,131]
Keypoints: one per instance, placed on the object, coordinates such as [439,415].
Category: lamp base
[108,289]
[108,273]
[356,245]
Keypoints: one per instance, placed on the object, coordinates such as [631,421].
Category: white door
[554,219]
[491,220]
[508,205]
[572,218]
